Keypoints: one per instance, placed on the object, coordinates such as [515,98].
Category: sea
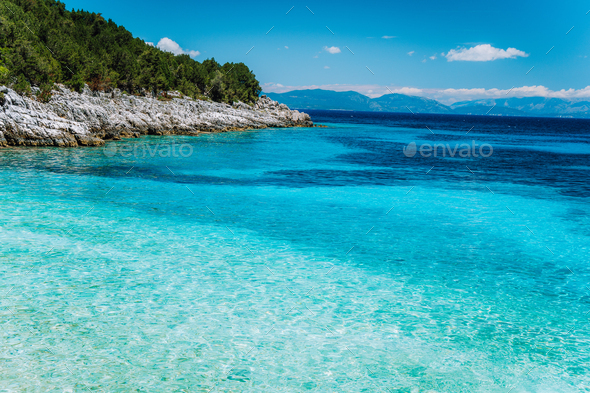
[380,253]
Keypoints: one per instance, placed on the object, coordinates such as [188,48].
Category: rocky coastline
[71,119]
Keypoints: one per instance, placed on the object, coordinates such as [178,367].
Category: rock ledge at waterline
[89,118]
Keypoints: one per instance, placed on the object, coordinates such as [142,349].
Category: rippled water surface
[285,260]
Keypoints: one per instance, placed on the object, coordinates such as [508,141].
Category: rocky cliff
[88,119]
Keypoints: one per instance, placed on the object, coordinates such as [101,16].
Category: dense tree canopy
[42,43]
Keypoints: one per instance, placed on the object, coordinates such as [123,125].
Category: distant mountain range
[353,101]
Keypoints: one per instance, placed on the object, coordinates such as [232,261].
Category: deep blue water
[320,259]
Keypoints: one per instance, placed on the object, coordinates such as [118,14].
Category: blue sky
[422,37]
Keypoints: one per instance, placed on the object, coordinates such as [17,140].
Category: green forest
[42,43]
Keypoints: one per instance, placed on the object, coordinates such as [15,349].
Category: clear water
[287,260]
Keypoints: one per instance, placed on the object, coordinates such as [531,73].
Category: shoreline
[90,118]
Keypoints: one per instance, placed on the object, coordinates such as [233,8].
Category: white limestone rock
[71,119]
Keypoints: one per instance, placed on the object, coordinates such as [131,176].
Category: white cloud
[446,96]
[286,47]
[484,52]
[433,57]
[524,91]
[410,53]
[167,45]
[333,49]
[326,67]
[388,37]
[410,91]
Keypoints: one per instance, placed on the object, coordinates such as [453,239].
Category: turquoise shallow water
[299,260]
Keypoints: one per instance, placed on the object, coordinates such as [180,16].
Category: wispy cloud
[446,96]
[333,49]
[388,37]
[433,57]
[166,44]
[484,52]
[410,53]
[523,91]
[326,68]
